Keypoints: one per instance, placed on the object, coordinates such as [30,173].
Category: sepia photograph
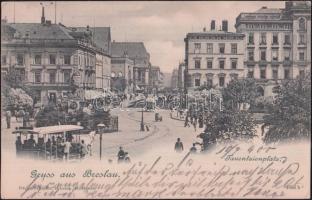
[155,99]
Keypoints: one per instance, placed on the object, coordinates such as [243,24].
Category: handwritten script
[188,178]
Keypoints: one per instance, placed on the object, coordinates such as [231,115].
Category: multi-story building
[101,40]
[122,74]
[51,59]
[156,78]
[213,57]
[181,77]
[174,79]
[277,43]
[137,52]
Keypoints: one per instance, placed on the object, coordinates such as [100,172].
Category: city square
[113,84]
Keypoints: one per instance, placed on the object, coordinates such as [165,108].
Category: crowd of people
[57,147]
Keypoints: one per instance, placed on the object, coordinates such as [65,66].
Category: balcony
[287,45]
[302,45]
[262,45]
[274,45]
[287,63]
[250,45]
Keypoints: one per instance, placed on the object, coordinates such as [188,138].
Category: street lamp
[142,120]
[100,129]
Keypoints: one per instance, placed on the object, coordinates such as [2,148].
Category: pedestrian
[195,124]
[67,146]
[8,118]
[121,155]
[178,147]
[193,149]
[186,122]
[84,150]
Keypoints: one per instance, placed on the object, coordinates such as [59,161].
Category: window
[37,94]
[20,74]
[274,55]
[197,45]
[275,38]
[221,81]
[209,81]
[275,74]
[67,59]
[262,73]
[286,73]
[287,39]
[197,82]
[233,48]
[37,76]
[38,59]
[301,56]
[52,59]
[209,64]
[52,76]
[233,64]
[221,48]
[263,55]
[263,38]
[250,74]
[301,24]
[197,64]
[302,39]
[251,38]
[287,55]
[301,74]
[20,59]
[250,55]
[210,48]
[3,60]
[221,64]
[66,76]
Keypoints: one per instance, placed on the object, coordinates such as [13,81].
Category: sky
[162,26]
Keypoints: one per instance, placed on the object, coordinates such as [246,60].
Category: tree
[290,115]
[230,124]
[239,91]
[14,79]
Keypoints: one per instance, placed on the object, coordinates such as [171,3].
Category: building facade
[101,40]
[277,43]
[51,59]
[213,57]
[174,79]
[181,70]
[137,52]
[122,74]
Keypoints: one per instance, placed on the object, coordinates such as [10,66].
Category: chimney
[213,25]
[225,25]
[42,17]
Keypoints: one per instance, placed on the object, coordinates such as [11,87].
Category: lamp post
[100,129]
[142,120]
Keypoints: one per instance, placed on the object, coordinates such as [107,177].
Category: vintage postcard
[155,100]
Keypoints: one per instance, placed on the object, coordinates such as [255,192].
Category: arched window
[260,91]
[301,24]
